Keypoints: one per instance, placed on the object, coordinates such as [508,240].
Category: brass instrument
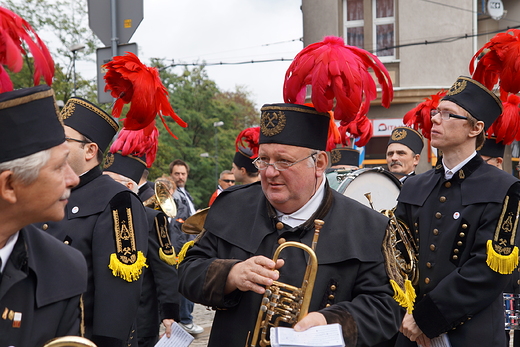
[283,302]
[69,341]
[162,200]
[401,251]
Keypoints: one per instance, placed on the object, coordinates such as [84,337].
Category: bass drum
[382,185]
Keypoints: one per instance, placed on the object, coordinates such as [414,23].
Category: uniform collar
[462,170]
[88,177]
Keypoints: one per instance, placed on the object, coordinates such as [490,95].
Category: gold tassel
[129,273]
[503,264]
[410,295]
[406,298]
[183,251]
[169,259]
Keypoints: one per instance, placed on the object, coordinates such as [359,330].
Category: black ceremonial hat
[408,137]
[296,125]
[492,148]
[243,159]
[28,122]
[90,121]
[476,99]
[344,156]
[128,166]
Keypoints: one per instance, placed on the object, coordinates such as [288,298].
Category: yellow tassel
[503,264]
[169,259]
[406,298]
[184,250]
[131,272]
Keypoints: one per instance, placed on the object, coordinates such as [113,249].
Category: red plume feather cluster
[337,72]
[500,63]
[361,129]
[138,142]
[249,138]
[130,81]
[419,117]
[13,31]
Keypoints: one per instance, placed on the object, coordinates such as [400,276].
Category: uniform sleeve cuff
[215,283]
[170,311]
[429,318]
[347,322]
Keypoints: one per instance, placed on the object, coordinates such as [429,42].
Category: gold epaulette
[502,254]
[127,262]
[166,251]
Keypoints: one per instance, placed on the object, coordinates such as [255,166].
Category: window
[374,33]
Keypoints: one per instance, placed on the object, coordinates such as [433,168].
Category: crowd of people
[90,247]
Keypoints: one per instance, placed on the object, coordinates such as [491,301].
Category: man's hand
[311,320]
[411,330]
[168,325]
[253,274]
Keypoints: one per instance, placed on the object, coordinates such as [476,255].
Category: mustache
[65,195]
[396,162]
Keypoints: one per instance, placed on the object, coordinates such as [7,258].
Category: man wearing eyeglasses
[230,266]
[107,223]
[226,180]
[464,215]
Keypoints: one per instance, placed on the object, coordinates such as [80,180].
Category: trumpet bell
[162,200]
[70,341]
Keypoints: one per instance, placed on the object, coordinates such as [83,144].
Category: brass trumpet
[69,341]
[162,200]
[283,302]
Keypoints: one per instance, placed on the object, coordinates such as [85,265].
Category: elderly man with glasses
[464,214]
[230,266]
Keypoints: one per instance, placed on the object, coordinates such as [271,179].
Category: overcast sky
[192,31]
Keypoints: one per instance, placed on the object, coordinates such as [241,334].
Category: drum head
[383,187]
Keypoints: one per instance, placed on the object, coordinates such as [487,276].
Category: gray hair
[27,169]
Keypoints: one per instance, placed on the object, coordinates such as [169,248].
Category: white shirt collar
[6,251]
[306,211]
[448,173]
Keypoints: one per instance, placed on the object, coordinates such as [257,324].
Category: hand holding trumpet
[253,274]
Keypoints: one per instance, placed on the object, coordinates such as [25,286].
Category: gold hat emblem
[272,122]
[457,87]
[67,111]
[398,135]
[109,160]
[335,156]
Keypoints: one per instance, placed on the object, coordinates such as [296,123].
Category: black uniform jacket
[160,295]
[351,287]
[41,284]
[453,219]
[110,301]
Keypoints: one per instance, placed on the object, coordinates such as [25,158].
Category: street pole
[216,125]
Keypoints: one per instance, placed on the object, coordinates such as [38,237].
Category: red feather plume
[130,81]
[337,72]
[138,142]
[361,129]
[419,117]
[248,138]
[506,127]
[500,62]
[14,30]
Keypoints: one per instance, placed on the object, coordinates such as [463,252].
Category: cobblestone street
[203,317]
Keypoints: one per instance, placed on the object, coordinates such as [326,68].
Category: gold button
[331,297]
[281,240]
[429,265]
[438,215]
[455,257]
[45,226]
[456,251]
[327,305]
[464,226]
[432,247]
[447,184]
[462,234]
[442,199]
[279,225]
[415,224]
[333,287]
[518,282]
[66,242]
[426,280]
[435,231]
[459,243]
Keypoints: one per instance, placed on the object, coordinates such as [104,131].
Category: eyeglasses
[76,140]
[445,115]
[278,165]
[228,181]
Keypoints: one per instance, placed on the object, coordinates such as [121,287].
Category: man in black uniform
[160,295]
[404,152]
[107,223]
[229,267]
[41,279]
[464,215]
